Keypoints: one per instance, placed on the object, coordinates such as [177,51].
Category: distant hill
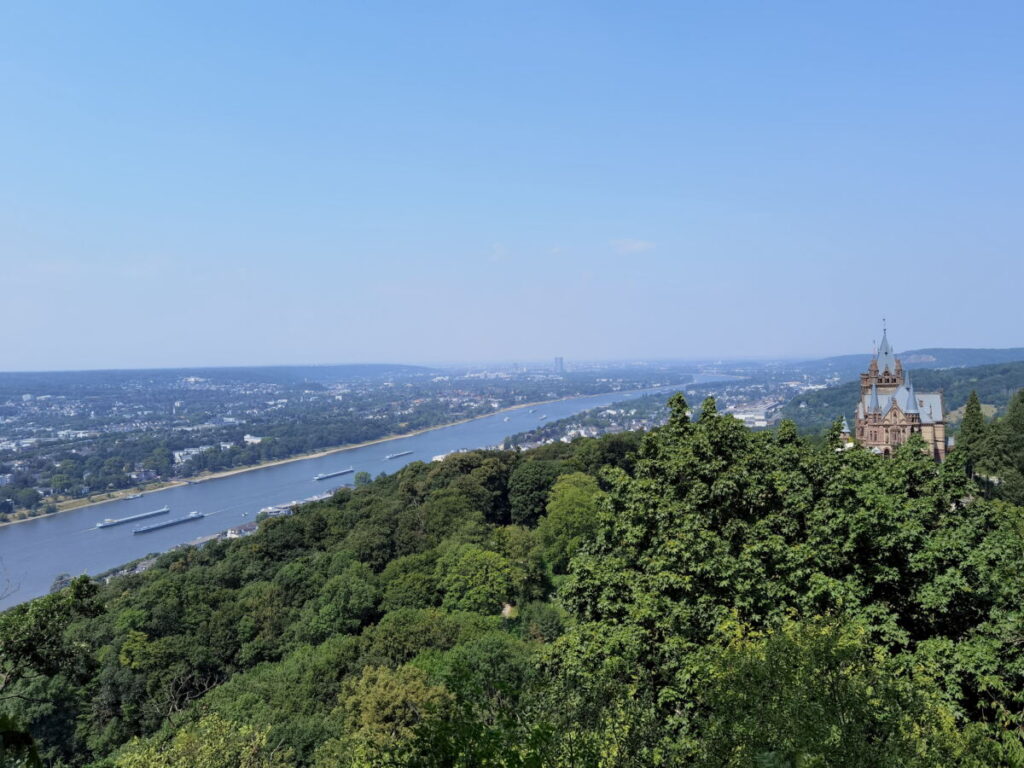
[59,382]
[849,367]
[995,385]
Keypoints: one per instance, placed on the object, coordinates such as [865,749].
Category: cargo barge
[325,475]
[111,522]
[193,515]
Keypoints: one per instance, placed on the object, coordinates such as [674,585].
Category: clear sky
[197,183]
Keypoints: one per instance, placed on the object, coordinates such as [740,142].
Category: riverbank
[74,504]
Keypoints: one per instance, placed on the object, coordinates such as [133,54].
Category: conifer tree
[1013,431]
[972,432]
[1010,439]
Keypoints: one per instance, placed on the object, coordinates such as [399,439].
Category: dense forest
[849,367]
[814,411]
[699,595]
[994,451]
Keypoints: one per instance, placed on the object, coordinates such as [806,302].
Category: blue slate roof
[886,357]
[910,404]
[929,404]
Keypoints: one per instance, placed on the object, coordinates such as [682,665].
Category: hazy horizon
[570,363]
[193,185]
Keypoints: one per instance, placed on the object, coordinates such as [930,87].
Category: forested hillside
[702,595]
[849,367]
[814,411]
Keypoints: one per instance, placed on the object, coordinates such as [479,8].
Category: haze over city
[254,184]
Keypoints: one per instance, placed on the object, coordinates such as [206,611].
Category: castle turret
[886,359]
[890,410]
[885,369]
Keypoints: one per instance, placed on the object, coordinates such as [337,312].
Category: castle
[890,410]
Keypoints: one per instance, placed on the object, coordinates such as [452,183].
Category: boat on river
[110,522]
[325,475]
[396,455]
[193,515]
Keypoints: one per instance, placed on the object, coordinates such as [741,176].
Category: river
[34,552]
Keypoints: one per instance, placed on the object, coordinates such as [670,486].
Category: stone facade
[890,411]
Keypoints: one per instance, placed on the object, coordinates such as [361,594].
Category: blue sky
[245,183]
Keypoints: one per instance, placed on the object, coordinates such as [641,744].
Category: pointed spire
[911,406]
[885,357]
[873,406]
[845,428]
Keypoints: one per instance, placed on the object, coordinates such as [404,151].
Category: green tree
[818,693]
[345,603]
[27,498]
[528,488]
[409,582]
[17,750]
[34,648]
[1011,437]
[62,483]
[33,639]
[382,712]
[571,519]
[719,524]
[971,437]
[213,742]
[161,461]
[404,633]
[475,579]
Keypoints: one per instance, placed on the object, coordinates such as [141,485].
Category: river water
[34,552]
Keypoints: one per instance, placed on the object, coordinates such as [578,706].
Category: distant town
[74,437]
[69,438]
[755,397]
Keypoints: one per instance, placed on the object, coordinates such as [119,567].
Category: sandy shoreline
[302,457]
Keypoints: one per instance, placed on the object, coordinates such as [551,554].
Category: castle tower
[891,410]
[885,370]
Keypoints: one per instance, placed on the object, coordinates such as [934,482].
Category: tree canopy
[715,597]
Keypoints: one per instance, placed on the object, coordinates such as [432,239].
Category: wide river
[34,552]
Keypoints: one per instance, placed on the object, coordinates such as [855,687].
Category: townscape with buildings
[753,395]
[68,436]
[90,435]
